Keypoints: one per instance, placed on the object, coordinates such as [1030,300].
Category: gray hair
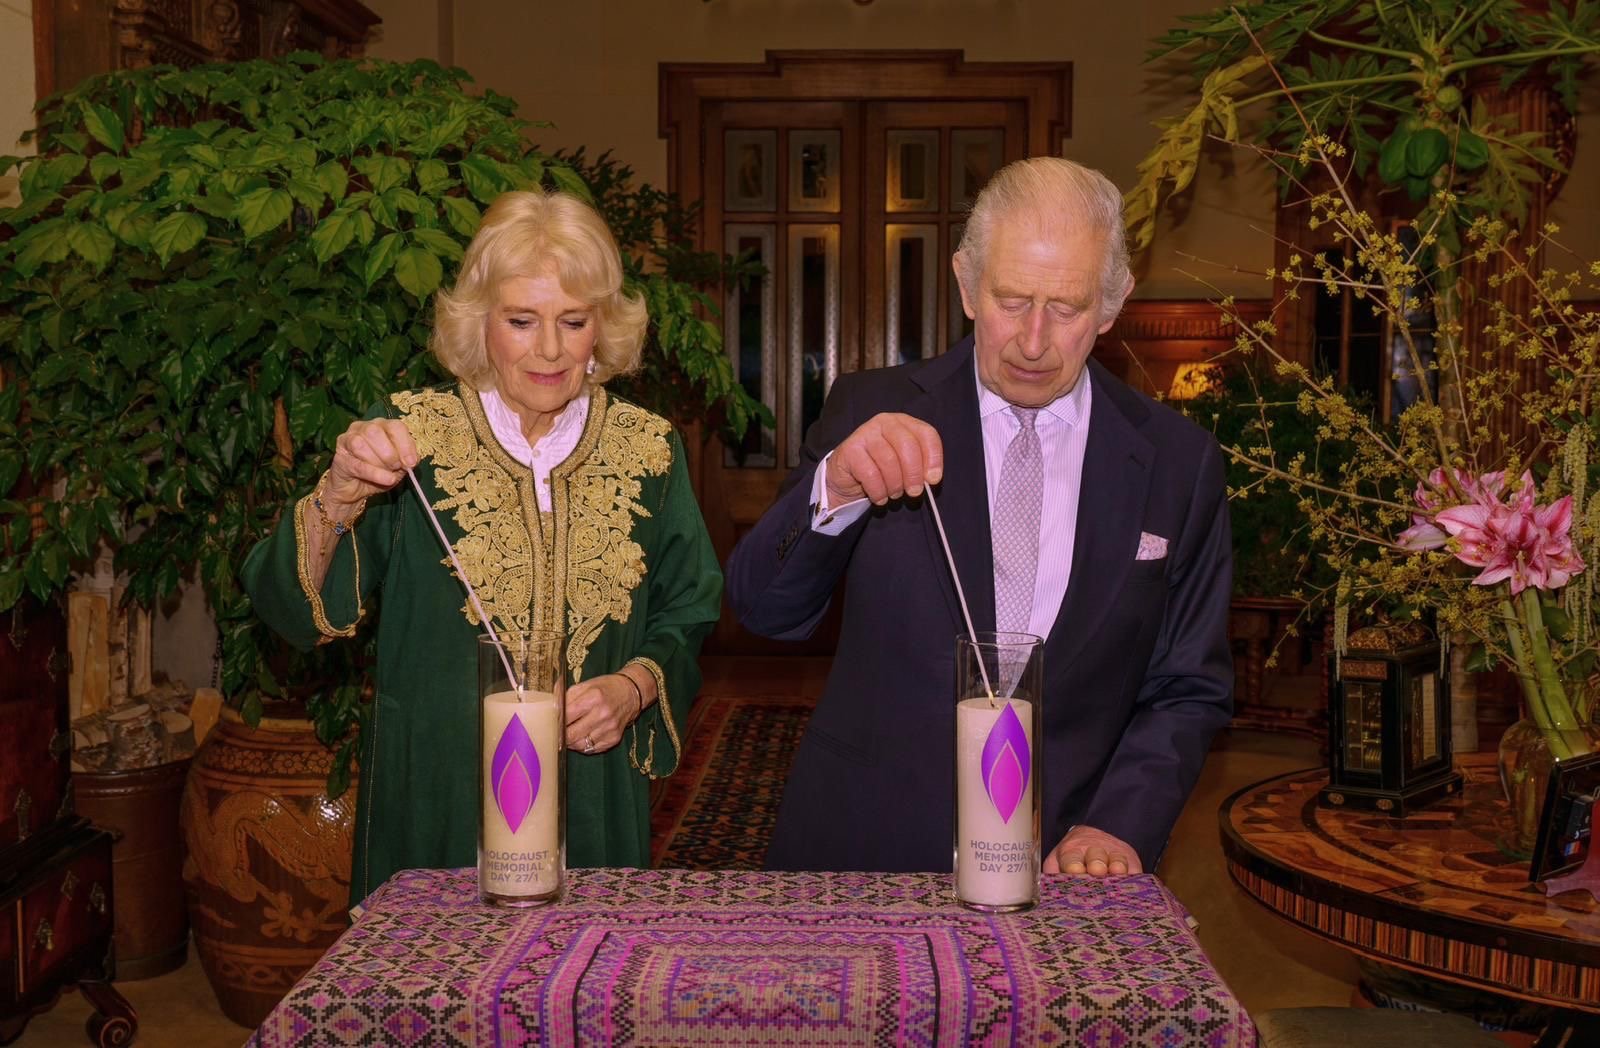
[1056,190]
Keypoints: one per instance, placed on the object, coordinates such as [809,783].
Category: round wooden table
[1430,893]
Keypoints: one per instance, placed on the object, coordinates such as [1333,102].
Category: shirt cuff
[827,521]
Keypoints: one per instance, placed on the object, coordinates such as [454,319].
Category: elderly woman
[569,509]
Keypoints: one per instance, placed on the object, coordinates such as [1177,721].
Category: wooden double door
[848,176]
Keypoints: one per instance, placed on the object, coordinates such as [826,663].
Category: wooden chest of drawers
[55,868]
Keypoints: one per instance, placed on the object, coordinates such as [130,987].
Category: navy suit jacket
[1138,674]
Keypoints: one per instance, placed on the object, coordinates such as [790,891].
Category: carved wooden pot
[141,807]
[267,870]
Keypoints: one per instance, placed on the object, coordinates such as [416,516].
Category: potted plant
[1278,576]
[210,274]
[1410,91]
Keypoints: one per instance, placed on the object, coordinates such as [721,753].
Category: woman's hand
[369,457]
[598,710]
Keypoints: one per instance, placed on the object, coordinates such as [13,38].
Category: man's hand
[890,455]
[1086,850]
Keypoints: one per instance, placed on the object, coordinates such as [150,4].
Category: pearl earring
[589,370]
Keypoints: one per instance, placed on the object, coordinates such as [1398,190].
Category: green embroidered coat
[622,563]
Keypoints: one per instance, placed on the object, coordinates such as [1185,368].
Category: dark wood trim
[853,76]
[44,52]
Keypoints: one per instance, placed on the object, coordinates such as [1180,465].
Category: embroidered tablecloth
[633,957]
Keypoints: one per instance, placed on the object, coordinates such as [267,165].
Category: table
[1430,893]
[745,958]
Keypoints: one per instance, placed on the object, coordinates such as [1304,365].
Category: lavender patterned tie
[1016,526]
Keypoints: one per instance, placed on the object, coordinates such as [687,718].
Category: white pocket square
[1151,547]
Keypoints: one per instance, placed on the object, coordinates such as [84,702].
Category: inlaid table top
[741,958]
[1431,892]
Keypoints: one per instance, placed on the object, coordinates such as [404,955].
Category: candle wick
[977,652]
[472,597]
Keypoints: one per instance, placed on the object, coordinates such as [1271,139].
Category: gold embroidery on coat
[599,500]
[496,547]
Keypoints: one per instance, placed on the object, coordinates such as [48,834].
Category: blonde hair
[1056,191]
[522,233]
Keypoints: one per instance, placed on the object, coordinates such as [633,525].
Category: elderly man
[1123,535]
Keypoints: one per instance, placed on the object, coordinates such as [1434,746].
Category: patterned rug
[717,810]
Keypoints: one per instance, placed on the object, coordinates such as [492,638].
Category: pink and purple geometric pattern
[633,957]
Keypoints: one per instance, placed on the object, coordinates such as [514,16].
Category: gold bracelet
[338,527]
[637,691]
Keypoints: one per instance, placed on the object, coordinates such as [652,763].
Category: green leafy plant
[1397,86]
[1395,83]
[1255,416]
[210,274]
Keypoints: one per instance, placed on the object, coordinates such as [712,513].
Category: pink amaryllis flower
[1424,534]
[1519,540]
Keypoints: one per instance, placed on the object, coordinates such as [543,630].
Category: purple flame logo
[514,773]
[1005,763]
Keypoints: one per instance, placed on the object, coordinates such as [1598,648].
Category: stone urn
[267,869]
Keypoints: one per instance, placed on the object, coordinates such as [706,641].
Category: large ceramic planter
[267,872]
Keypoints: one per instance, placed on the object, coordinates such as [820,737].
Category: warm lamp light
[1194,378]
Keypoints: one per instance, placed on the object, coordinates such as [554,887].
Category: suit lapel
[951,407]
[1116,481]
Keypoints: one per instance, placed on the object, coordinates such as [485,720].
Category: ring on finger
[588,744]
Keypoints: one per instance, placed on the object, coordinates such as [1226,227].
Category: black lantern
[1389,722]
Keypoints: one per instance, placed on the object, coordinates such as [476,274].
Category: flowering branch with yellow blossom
[1420,498]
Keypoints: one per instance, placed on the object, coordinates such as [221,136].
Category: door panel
[849,176]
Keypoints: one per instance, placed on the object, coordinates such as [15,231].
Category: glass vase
[999,731]
[1525,763]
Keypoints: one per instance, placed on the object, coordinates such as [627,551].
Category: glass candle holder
[522,853]
[997,857]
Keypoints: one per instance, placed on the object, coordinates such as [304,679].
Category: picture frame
[1565,821]
[750,170]
[814,166]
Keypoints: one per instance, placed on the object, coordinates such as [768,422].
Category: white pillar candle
[520,847]
[997,850]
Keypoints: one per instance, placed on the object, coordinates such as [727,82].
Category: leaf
[440,243]
[418,271]
[92,243]
[432,176]
[1392,158]
[463,215]
[306,413]
[1557,621]
[382,257]
[1472,152]
[50,246]
[177,233]
[307,192]
[263,210]
[104,125]
[383,172]
[1426,152]
[103,165]
[482,177]
[10,588]
[207,155]
[332,235]
[569,181]
[333,179]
